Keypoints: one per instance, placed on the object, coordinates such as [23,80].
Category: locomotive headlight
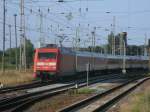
[52,64]
[46,64]
[40,63]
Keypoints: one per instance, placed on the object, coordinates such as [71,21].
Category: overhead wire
[47,18]
[133,12]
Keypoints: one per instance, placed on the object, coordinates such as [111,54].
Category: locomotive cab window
[47,55]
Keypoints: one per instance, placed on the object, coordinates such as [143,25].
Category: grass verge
[138,102]
[86,90]
[13,77]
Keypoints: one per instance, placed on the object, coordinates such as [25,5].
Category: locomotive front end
[46,62]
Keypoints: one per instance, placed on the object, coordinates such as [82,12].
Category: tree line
[10,55]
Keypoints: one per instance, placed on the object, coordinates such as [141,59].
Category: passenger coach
[52,61]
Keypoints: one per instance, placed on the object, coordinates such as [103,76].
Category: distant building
[124,36]
[123,39]
[117,46]
[110,43]
[148,42]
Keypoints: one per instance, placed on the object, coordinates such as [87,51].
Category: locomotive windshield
[46,55]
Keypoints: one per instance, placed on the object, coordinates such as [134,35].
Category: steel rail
[2,101]
[26,100]
[109,103]
[24,86]
[91,99]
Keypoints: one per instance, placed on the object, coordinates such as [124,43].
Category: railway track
[103,101]
[22,102]
[24,86]
[9,92]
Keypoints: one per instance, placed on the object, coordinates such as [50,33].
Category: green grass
[8,66]
[13,77]
[139,102]
[147,74]
[86,90]
[142,104]
[78,92]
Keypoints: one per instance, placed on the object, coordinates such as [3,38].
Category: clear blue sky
[131,15]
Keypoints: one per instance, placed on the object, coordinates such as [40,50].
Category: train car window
[47,55]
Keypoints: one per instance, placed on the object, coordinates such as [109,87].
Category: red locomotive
[46,61]
[53,61]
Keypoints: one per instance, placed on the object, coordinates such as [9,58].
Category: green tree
[110,42]
[10,55]
[29,53]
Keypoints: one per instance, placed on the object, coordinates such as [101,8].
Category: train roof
[69,51]
[93,54]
